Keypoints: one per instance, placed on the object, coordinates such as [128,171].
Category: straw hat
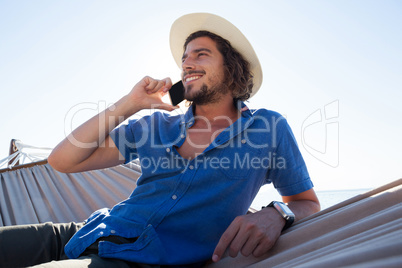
[190,23]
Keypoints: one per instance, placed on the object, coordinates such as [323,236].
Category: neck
[224,110]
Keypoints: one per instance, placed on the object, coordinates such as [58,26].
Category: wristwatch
[285,212]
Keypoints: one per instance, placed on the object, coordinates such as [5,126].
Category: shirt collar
[244,121]
[188,118]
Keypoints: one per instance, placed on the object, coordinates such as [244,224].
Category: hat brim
[190,23]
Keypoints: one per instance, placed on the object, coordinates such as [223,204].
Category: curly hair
[238,76]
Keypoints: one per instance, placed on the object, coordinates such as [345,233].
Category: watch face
[284,208]
[286,213]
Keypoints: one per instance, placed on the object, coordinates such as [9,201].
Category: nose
[188,64]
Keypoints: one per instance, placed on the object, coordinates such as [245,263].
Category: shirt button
[168,150]
[191,167]
[149,225]
[174,197]
[112,231]
[243,141]
[101,233]
[182,136]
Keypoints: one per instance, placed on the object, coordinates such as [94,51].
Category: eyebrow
[197,51]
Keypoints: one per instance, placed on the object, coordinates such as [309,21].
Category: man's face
[203,72]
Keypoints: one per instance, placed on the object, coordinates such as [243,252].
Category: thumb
[165,106]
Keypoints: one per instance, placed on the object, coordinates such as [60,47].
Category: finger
[249,246]
[238,242]
[165,106]
[225,241]
[167,86]
[168,82]
[149,83]
[155,86]
[262,248]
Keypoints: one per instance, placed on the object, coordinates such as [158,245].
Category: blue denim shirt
[180,208]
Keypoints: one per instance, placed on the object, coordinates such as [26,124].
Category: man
[190,204]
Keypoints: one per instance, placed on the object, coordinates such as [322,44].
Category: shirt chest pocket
[238,162]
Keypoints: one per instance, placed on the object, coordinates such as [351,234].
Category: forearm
[83,141]
[90,147]
[303,208]
[303,204]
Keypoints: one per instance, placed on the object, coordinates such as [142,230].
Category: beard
[206,95]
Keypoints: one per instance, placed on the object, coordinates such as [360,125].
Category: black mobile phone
[177,93]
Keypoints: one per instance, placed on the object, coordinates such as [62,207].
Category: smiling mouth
[192,78]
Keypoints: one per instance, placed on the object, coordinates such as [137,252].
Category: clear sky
[333,68]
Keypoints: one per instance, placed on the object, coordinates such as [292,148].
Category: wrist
[283,210]
[125,107]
